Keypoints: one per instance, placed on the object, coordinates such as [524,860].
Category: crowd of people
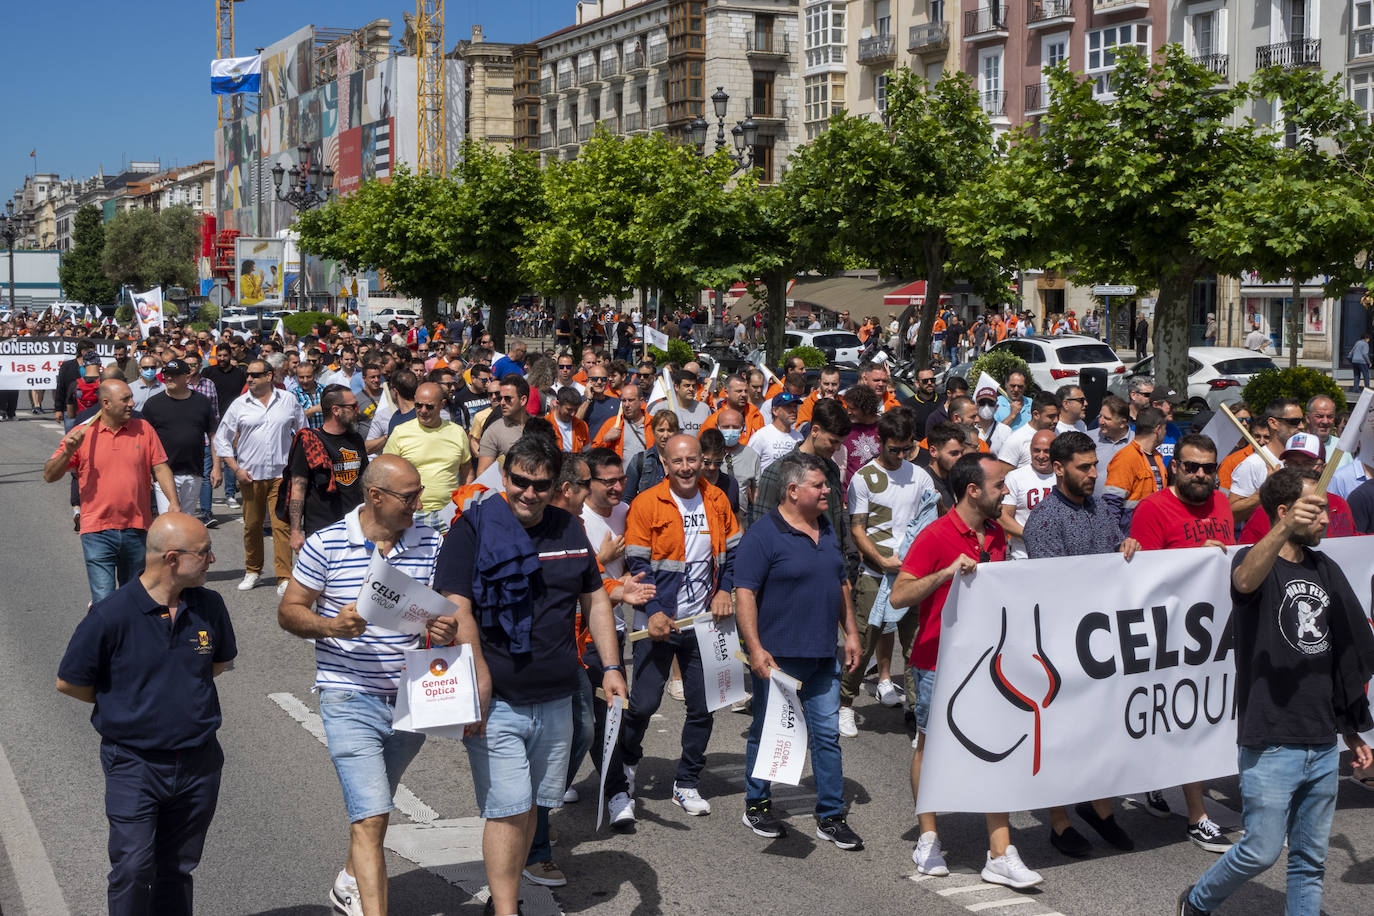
[562,501]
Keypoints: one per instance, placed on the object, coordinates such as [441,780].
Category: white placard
[1223,434]
[392,600]
[614,713]
[653,336]
[722,674]
[782,745]
[1359,429]
[441,687]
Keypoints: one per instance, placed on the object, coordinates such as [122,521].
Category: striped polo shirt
[334,562]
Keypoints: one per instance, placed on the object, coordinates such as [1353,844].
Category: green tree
[83,278]
[1306,213]
[406,227]
[1117,191]
[147,248]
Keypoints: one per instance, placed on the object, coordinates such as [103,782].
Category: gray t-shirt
[498,437]
[743,466]
[690,421]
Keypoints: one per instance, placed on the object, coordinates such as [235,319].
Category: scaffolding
[430,87]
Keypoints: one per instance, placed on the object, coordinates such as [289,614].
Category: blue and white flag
[230,75]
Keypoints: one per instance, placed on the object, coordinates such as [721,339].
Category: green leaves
[82,276]
[146,248]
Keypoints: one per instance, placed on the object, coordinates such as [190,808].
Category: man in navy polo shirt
[791,592]
[147,656]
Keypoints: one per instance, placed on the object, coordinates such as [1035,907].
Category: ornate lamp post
[11,228]
[745,133]
[309,186]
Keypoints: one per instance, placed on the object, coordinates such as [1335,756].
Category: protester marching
[1058,601]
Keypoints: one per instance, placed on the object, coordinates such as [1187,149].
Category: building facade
[489,88]
[886,35]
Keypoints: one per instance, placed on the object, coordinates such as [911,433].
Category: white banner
[392,600]
[614,713]
[723,675]
[653,337]
[782,745]
[148,310]
[1046,695]
[31,363]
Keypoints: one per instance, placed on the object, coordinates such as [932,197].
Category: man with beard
[326,467]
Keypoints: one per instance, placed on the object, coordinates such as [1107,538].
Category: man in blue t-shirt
[791,592]
[512,362]
[523,569]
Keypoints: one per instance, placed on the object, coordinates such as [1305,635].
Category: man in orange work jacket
[684,534]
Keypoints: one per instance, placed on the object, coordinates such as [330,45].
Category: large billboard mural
[361,123]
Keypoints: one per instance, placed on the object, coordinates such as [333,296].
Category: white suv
[846,344]
[1216,375]
[1055,361]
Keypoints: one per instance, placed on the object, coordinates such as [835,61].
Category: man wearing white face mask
[989,430]
[741,462]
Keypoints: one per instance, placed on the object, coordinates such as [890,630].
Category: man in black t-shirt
[1304,653]
[229,380]
[326,467]
[528,648]
[183,419]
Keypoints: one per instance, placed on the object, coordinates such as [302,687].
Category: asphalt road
[279,836]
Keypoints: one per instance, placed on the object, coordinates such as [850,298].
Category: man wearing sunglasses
[499,436]
[254,442]
[326,467]
[438,448]
[1190,512]
[1283,416]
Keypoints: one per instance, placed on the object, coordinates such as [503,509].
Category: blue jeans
[231,485]
[113,557]
[368,754]
[1287,790]
[1361,374]
[206,491]
[583,726]
[653,660]
[820,699]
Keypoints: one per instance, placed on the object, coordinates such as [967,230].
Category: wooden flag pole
[1267,455]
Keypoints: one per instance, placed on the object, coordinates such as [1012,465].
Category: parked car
[1216,375]
[846,346]
[1055,361]
[388,315]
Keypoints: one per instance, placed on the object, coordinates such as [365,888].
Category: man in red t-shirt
[1190,512]
[952,545]
[1306,452]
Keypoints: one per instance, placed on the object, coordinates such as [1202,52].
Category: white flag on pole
[148,310]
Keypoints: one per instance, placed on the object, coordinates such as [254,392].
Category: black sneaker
[1187,909]
[1205,834]
[210,521]
[490,908]
[1071,843]
[836,830]
[759,818]
[1106,827]
[1155,805]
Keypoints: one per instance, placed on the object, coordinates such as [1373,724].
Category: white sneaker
[690,800]
[929,855]
[629,779]
[281,587]
[232,502]
[250,581]
[1008,869]
[621,808]
[675,689]
[887,694]
[570,796]
[343,896]
[848,727]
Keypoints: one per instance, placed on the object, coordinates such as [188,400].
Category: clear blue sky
[89,84]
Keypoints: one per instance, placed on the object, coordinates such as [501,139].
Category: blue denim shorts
[925,683]
[522,760]
[369,756]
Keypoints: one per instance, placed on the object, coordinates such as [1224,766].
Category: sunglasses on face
[538,485]
[610,481]
[258,374]
[1192,467]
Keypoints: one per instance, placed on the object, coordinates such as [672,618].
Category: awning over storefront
[911,294]
[860,296]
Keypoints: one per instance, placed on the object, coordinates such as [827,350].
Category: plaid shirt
[310,400]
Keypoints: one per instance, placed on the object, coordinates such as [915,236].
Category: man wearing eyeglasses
[599,406]
[498,436]
[563,377]
[326,468]
[254,441]
[1283,416]
[1014,408]
[1072,405]
[358,665]
[926,401]
[147,658]
[438,449]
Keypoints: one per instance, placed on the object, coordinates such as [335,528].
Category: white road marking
[997,904]
[450,848]
[966,889]
[38,888]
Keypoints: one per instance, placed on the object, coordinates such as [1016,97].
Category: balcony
[879,49]
[584,132]
[1112,6]
[658,116]
[1300,52]
[634,122]
[1220,64]
[546,140]
[985,23]
[636,62]
[546,86]
[567,136]
[610,69]
[766,45]
[566,80]
[769,109]
[1037,98]
[1043,14]
[994,103]
[658,54]
[928,38]
[1362,43]
[586,75]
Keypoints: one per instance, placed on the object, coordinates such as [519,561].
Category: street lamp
[12,227]
[309,187]
[745,133]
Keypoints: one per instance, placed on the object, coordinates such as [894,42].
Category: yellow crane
[430,86]
[224,39]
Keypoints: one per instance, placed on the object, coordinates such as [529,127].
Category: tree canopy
[147,248]
[81,273]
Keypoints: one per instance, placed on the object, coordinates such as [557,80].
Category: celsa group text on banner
[1068,679]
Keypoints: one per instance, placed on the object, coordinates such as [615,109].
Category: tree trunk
[775,315]
[1171,332]
[1294,321]
[935,254]
[496,324]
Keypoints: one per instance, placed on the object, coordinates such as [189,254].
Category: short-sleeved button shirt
[114,471]
[798,584]
[153,672]
[935,548]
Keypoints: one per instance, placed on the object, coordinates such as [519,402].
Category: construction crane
[429,86]
[224,39]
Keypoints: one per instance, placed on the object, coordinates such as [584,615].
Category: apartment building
[489,87]
[656,65]
[885,35]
